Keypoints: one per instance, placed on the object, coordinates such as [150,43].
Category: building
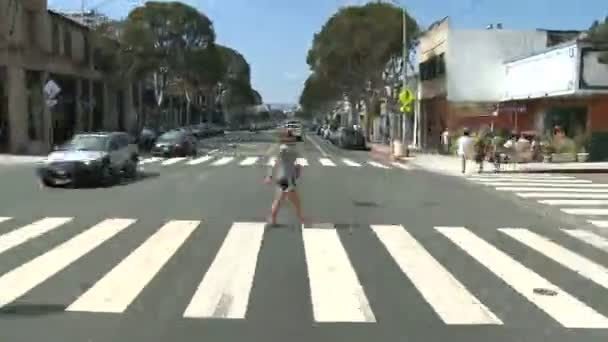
[462,74]
[50,87]
[563,85]
[90,19]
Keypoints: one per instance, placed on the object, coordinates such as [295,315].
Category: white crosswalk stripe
[302,161]
[222,161]
[571,202]
[326,162]
[249,161]
[172,161]
[199,160]
[2,219]
[271,161]
[337,291]
[350,162]
[599,223]
[378,165]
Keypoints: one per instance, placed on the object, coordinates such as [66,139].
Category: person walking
[284,174]
[465,148]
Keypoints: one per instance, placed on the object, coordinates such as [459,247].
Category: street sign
[51,89]
[405,98]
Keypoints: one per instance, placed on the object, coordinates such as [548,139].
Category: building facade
[49,85]
[462,74]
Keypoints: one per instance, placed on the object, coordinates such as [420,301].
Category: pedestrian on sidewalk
[465,148]
[284,174]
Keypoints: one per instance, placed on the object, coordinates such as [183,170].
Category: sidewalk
[451,165]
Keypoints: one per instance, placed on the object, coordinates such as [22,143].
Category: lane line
[599,223]
[564,185]
[378,165]
[249,161]
[538,189]
[326,162]
[401,166]
[586,211]
[302,161]
[317,146]
[22,279]
[199,160]
[225,288]
[564,308]
[544,181]
[21,235]
[575,262]
[447,296]
[119,287]
[560,195]
[350,162]
[575,202]
[335,290]
[222,161]
[172,161]
[590,238]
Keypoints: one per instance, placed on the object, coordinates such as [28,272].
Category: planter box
[582,157]
[563,157]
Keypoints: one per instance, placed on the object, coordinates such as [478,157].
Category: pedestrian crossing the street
[253,161]
[573,196]
[337,291]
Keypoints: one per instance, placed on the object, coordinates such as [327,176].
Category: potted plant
[547,150]
[582,142]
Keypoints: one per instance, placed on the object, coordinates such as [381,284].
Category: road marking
[222,161]
[249,161]
[564,308]
[22,279]
[2,219]
[326,162]
[335,290]
[585,211]
[567,190]
[574,202]
[590,238]
[401,166]
[599,223]
[21,235]
[171,161]
[213,151]
[551,185]
[544,181]
[225,288]
[575,262]
[317,146]
[302,161]
[446,295]
[350,163]
[199,160]
[271,161]
[150,160]
[560,195]
[376,164]
[520,176]
[119,287]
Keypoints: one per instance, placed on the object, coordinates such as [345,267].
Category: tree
[354,46]
[318,95]
[167,33]
[598,34]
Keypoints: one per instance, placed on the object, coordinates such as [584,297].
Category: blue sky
[274,35]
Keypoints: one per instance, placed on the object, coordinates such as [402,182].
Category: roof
[68,20]
[545,50]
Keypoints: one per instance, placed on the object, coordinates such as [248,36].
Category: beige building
[41,49]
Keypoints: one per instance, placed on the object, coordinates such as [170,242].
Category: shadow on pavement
[31,309]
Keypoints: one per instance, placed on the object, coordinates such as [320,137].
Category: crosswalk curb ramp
[337,294]
[250,161]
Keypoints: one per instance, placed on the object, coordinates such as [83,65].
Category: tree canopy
[351,52]
[598,33]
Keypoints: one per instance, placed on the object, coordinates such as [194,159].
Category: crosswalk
[337,293]
[579,197]
[268,161]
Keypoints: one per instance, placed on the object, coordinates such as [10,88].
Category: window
[30,27]
[67,42]
[55,42]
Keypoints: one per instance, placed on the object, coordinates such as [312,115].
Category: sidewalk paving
[451,165]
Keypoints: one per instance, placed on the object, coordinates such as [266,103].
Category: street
[183,254]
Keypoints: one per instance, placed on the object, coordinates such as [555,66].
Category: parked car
[101,157]
[347,137]
[175,143]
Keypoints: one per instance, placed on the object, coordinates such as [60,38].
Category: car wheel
[130,169]
[108,176]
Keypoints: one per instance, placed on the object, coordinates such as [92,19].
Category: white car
[295,128]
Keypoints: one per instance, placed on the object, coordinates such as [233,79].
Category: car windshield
[170,136]
[86,143]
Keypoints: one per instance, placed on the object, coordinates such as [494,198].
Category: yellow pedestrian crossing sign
[405,98]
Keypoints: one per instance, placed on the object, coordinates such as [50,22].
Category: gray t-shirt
[286,164]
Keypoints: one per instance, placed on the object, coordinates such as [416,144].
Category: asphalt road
[391,254]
